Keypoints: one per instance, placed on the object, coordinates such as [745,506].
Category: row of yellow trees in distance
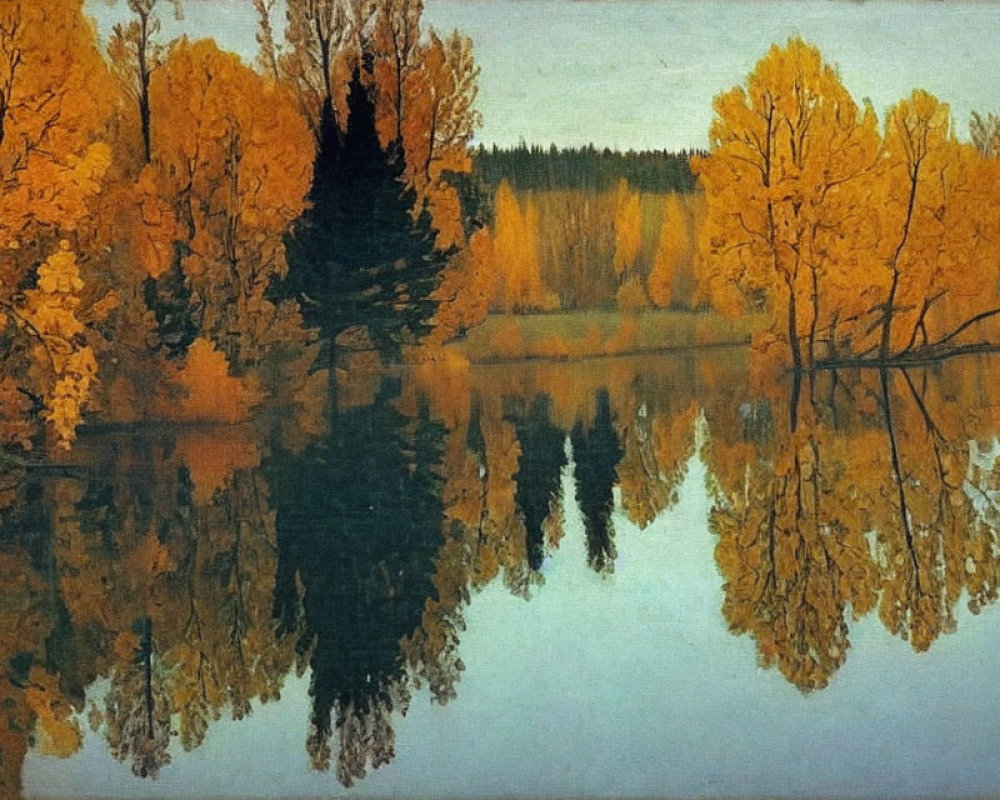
[575,249]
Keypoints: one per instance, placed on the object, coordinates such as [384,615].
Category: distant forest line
[536,168]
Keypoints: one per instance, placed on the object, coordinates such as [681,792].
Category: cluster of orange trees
[584,247]
[149,192]
[150,213]
[859,238]
[862,240]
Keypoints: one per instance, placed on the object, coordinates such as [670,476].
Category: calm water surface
[616,577]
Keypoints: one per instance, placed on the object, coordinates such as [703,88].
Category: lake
[671,576]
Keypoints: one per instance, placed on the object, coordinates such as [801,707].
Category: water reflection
[359,521]
[539,467]
[870,501]
[596,452]
[171,577]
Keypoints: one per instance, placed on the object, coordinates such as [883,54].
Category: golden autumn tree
[467,289]
[785,183]
[672,251]
[515,254]
[938,244]
[52,163]
[578,245]
[861,245]
[135,54]
[438,126]
[628,229]
[631,295]
[425,87]
[226,181]
[395,48]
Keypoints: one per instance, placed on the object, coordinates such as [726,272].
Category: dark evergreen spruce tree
[178,317]
[537,481]
[357,256]
[596,453]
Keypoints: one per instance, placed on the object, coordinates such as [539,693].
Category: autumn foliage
[515,256]
[861,241]
[148,201]
[158,212]
[53,110]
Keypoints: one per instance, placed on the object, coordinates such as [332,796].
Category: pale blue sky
[643,74]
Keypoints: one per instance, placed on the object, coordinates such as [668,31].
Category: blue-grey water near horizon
[625,680]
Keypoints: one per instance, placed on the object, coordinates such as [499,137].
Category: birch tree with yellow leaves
[862,245]
[786,184]
[134,54]
[52,163]
[231,180]
[673,249]
[515,254]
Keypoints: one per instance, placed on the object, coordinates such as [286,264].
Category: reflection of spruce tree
[596,453]
[538,468]
[359,518]
[357,257]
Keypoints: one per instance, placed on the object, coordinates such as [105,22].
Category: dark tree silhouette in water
[538,470]
[358,257]
[596,452]
[359,521]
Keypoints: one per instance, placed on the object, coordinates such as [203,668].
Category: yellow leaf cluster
[674,247]
[208,393]
[70,368]
[853,239]
[515,254]
[628,229]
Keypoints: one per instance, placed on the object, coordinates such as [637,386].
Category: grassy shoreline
[595,334]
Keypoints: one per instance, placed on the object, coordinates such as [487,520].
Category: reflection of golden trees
[652,411]
[138,707]
[873,500]
[791,564]
[223,585]
[31,700]
[167,563]
[655,412]
[166,557]
[160,578]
